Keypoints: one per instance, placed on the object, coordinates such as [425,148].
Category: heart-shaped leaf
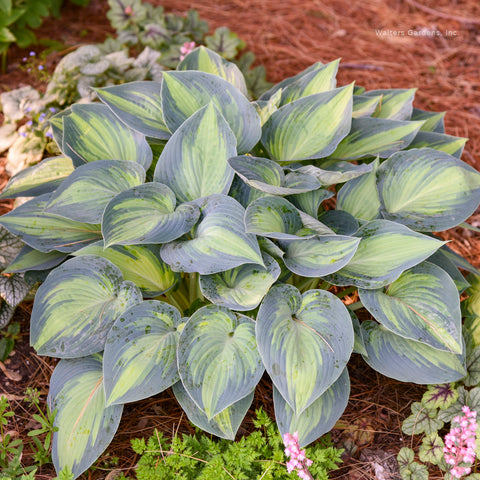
[138,105]
[407,360]
[76,306]
[385,251]
[427,190]
[140,357]
[218,360]
[223,425]
[92,132]
[84,195]
[241,288]
[219,240]
[319,418]
[305,342]
[422,305]
[310,127]
[183,93]
[31,259]
[146,214]
[85,425]
[194,161]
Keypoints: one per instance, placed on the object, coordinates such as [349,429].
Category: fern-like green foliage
[199,457]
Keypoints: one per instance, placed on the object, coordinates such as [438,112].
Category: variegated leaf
[305,342]
[342,223]
[396,103]
[10,247]
[194,161]
[319,418]
[45,231]
[439,141]
[241,288]
[31,259]
[146,214]
[92,132]
[140,357]
[183,93]
[364,105]
[13,289]
[218,360]
[427,190]
[76,306]
[309,202]
[140,264]
[84,195]
[208,61]
[223,425]
[219,240]
[38,179]
[138,105]
[385,251]
[339,172]
[310,127]
[85,425]
[433,120]
[407,360]
[441,259]
[422,305]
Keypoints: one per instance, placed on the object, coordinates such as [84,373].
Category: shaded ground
[288,36]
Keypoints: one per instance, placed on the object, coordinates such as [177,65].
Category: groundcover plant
[188,245]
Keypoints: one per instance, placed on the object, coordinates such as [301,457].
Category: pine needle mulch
[433,45]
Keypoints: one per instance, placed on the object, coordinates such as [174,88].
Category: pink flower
[298,459]
[460,443]
[186,48]
[128,10]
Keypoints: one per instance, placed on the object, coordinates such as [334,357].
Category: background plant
[204,254]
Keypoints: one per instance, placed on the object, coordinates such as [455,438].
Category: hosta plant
[192,244]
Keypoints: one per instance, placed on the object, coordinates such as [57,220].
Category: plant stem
[346,292]
[355,306]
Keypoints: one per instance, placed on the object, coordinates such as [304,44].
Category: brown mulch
[287,36]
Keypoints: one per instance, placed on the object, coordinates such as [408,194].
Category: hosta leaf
[194,161]
[385,251]
[407,360]
[364,105]
[242,193]
[140,357]
[241,288]
[427,190]
[422,305]
[45,231]
[84,195]
[138,105]
[441,259]
[422,420]
[339,172]
[321,255]
[433,120]
[431,449]
[208,61]
[439,141]
[359,344]
[93,132]
[218,360]
[31,259]
[370,137]
[359,196]
[310,127]
[38,179]
[319,418]
[265,108]
[440,396]
[223,425]
[10,246]
[459,261]
[85,425]
[267,176]
[183,93]
[219,240]
[276,217]
[305,342]
[396,104]
[13,289]
[309,202]
[140,264]
[76,306]
[319,80]
[146,214]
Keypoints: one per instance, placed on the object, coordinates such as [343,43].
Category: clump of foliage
[189,246]
[146,42]
[18,18]
[258,455]
[442,403]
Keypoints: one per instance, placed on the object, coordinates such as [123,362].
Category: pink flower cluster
[298,460]
[460,444]
[186,48]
